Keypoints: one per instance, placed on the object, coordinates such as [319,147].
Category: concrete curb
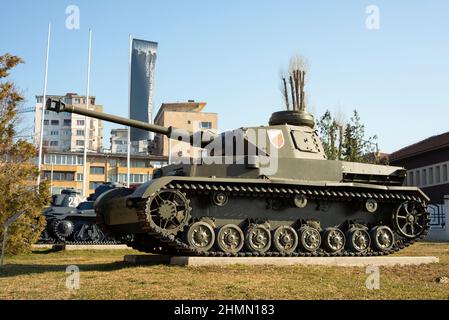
[59,247]
[287,261]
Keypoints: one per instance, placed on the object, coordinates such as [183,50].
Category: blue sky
[229,53]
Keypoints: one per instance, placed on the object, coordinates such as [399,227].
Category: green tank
[263,191]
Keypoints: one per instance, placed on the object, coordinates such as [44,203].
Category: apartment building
[64,132]
[183,115]
[119,143]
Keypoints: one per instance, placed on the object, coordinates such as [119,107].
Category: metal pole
[4,244]
[86,127]
[128,159]
[41,138]
[51,177]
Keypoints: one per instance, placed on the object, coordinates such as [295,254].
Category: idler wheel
[410,218]
[230,239]
[382,238]
[333,240]
[257,238]
[201,236]
[358,240]
[309,239]
[285,239]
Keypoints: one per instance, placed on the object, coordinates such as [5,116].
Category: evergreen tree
[328,130]
[18,173]
[349,144]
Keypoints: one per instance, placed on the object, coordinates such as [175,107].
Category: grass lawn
[41,275]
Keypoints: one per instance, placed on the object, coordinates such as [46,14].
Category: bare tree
[296,78]
[284,90]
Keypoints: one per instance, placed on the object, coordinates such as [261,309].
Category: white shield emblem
[276,138]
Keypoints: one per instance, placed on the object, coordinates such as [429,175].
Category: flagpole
[86,127]
[128,159]
[44,98]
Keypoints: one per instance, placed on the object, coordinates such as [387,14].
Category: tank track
[171,243]
[102,226]
[109,242]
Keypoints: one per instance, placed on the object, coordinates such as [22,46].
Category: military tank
[283,198]
[71,220]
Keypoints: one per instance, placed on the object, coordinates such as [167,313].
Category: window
[79,177]
[205,125]
[80,122]
[61,159]
[418,178]
[430,175]
[54,143]
[80,143]
[96,170]
[424,177]
[54,133]
[77,100]
[47,112]
[46,122]
[67,122]
[59,175]
[133,178]
[80,132]
[437,174]
[444,172]
[122,163]
[55,122]
[138,164]
[71,160]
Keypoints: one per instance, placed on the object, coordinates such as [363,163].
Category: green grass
[41,275]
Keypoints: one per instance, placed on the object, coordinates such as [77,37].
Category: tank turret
[232,204]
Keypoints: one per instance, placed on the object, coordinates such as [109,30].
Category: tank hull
[269,204]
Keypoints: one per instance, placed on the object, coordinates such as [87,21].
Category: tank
[263,191]
[71,220]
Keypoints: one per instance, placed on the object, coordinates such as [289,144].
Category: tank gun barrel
[197,139]
[59,106]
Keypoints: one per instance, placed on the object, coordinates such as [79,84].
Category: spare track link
[276,191]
